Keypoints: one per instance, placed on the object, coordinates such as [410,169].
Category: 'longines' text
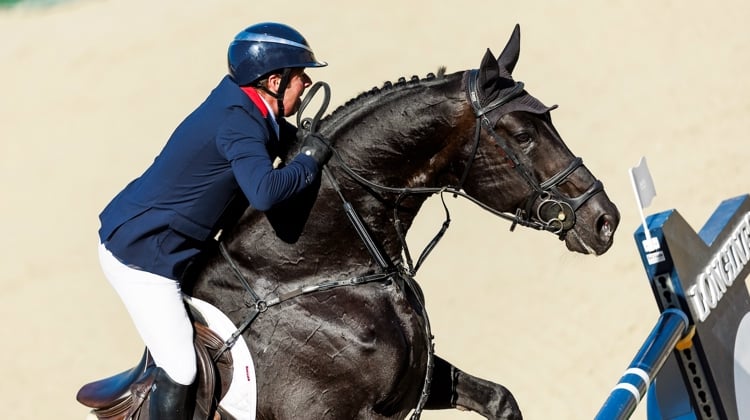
[725,266]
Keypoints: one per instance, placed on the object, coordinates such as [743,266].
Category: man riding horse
[333,307]
[219,159]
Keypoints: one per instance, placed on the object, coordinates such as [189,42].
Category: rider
[219,159]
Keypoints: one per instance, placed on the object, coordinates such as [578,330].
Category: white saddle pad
[241,398]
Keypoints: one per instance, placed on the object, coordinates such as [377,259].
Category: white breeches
[158,312]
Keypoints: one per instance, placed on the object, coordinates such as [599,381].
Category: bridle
[555,211]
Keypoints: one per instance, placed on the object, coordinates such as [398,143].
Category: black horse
[322,288]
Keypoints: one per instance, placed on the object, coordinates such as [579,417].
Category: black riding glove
[317,148]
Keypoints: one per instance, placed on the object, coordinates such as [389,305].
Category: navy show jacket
[216,161]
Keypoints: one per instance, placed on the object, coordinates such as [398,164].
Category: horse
[322,288]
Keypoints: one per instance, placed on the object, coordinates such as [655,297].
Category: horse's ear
[509,57]
[489,72]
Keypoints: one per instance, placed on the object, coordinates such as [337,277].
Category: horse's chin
[576,242]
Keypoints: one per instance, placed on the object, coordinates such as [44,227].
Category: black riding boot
[168,399]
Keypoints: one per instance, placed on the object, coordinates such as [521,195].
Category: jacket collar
[257,100]
[263,107]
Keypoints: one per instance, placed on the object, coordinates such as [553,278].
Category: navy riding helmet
[267,47]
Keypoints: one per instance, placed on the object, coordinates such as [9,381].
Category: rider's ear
[509,57]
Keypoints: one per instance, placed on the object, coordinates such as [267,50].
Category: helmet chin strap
[286,75]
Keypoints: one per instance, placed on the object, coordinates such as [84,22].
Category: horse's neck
[397,141]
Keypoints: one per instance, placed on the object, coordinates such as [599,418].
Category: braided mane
[387,87]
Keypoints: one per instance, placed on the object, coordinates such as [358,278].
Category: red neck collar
[257,100]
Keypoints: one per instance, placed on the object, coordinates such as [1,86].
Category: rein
[555,212]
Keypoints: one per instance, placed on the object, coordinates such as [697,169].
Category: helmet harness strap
[286,75]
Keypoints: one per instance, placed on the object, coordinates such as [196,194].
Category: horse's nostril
[606,227]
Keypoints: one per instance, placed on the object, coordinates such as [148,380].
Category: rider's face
[298,82]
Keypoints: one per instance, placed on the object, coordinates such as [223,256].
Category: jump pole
[670,328]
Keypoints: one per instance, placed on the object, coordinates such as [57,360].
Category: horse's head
[518,162]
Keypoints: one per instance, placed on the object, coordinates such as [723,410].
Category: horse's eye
[523,137]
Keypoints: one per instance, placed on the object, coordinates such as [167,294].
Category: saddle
[125,395]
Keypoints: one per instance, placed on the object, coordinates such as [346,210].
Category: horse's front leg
[452,388]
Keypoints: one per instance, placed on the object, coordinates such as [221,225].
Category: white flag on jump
[643,184]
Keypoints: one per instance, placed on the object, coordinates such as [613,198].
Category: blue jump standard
[699,283]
